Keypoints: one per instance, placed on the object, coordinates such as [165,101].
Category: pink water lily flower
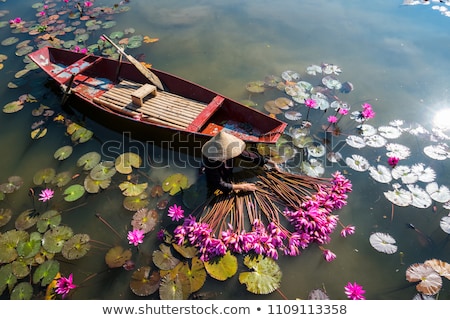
[347,231]
[328,255]
[65,285]
[88,4]
[175,212]
[135,237]
[46,195]
[354,291]
[15,20]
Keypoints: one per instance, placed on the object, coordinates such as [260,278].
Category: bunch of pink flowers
[312,223]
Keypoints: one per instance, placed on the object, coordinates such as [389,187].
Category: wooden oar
[145,71]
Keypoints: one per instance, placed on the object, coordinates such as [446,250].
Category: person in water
[220,155]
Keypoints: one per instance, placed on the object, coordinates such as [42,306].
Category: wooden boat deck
[164,107]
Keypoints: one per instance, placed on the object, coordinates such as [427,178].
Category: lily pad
[94,186]
[223,268]
[45,175]
[46,272]
[38,133]
[76,247]
[127,161]
[49,219]
[130,189]
[175,183]
[144,282]
[8,244]
[22,291]
[30,248]
[117,256]
[9,41]
[25,220]
[13,184]
[82,135]
[265,277]
[174,287]
[12,107]
[63,152]
[137,202]
[116,35]
[7,278]
[62,178]
[103,170]
[54,239]
[74,192]
[145,219]
[255,87]
[89,160]
[5,216]
[163,258]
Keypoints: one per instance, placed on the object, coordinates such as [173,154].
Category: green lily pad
[137,202]
[9,41]
[24,51]
[196,274]
[63,152]
[82,135]
[163,258]
[22,291]
[69,44]
[13,184]
[255,87]
[54,239]
[46,272]
[265,277]
[89,160]
[49,219]
[117,256]
[12,107]
[130,189]
[108,24]
[26,220]
[62,179]
[94,186]
[116,35]
[82,37]
[7,278]
[134,44]
[30,248]
[74,192]
[76,247]
[5,216]
[186,250]
[8,244]
[21,267]
[44,176]
[103,170]
[174,287]
[174,183]
[127,161]
[144,282]
[38,133]
[223,268]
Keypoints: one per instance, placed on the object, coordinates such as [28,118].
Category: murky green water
[395,56]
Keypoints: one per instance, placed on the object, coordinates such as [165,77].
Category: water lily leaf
[82,135]
[163,258]
[265,277]
[144,282]
[145,219]
[13,184]
[63,152]
[49,219]
[54,239]
[117,256]
[21,267]
[72,128]
[12,107]
[76,247]
[136,203]
[46,272]
[130,189]
[127,161]
[9,41]
[22,291]
[156,191]
[196,274]
[74,192]
[174,287]
[186,251]
[89,160]
[24,50]
[147,39]
[21,73]
[116,35]
[223,268]
[174,183]
[5,216]
[255,87]
[45,175]
[94,186]
[8,244]
[103,170]
[25,220]
[62,178]
[30,248]
[7,278]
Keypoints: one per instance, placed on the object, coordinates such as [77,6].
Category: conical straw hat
[223,146]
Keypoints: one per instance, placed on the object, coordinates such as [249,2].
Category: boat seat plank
[206,114]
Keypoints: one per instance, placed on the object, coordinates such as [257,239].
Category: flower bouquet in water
[286,214]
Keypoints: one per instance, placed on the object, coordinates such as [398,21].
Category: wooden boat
[176,112]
